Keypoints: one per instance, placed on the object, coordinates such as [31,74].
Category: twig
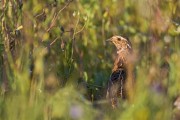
[56,16]
[75,33]
[54,41]
[51,43]
[98,86]
[81,29]
[40,14]
[76,27]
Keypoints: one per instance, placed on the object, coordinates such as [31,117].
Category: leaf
[85,76]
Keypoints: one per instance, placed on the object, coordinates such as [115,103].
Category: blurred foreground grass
[55,63]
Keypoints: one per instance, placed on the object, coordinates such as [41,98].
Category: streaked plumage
[116,85]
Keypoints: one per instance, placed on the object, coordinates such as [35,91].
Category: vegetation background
[55,63]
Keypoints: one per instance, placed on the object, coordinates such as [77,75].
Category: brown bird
[118,79]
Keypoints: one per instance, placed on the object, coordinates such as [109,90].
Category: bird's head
[120,43]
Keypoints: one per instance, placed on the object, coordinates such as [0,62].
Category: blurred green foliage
[55,63]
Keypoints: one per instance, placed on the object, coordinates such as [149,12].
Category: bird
[117,87]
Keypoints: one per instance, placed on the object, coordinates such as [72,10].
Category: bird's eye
[119,39]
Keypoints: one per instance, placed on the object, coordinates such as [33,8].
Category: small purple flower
[76,112]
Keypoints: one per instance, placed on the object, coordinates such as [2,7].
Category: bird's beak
[109,40]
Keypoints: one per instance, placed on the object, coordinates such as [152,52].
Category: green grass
[55,63]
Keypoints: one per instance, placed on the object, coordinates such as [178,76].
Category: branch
[52,43]
[56,16]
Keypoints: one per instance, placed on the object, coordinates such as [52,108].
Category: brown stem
[56,16]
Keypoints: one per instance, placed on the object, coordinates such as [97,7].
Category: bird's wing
[116,84]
